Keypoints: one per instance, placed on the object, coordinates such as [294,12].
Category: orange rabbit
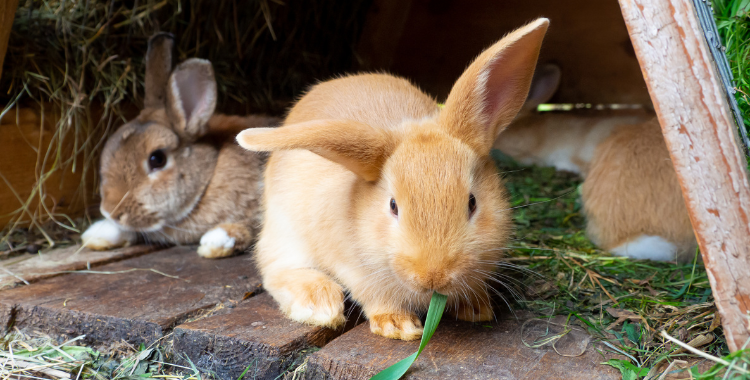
[631,196]
[372,188]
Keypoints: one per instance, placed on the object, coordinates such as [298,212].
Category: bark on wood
[33,267]
[462,350]
[702,139]
[255,335]
[7,14]
[127,304]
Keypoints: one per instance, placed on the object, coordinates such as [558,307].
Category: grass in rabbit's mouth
[624,303]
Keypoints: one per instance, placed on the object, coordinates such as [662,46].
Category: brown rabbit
[174,174]
[631,196]
[373,188]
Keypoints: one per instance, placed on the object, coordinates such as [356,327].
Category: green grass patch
[623,303]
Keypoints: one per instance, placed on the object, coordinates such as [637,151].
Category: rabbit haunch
[631,195]
[372,188]
[174,174]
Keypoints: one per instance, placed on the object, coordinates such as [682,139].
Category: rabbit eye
[157,160]
[394,207]
[472,204]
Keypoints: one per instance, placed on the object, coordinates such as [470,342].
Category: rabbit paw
[404,326]
[216,243]
[105,234]
[318,303]
[473,312]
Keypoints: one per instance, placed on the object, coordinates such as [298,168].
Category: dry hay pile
[80,62]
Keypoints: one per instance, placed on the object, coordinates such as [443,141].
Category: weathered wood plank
[7,14]
[702,140]
[459,350]
[255,334]
[32,267]
[133,300]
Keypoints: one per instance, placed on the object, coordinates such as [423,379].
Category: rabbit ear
[357,146]
[543,86]
[158,67]
[191,97]
[489,94]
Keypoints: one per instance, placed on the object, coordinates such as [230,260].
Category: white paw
[647,247]
[330,316]
[216,243]
[105,234]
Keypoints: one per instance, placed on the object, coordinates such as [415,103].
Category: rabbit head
[153,169]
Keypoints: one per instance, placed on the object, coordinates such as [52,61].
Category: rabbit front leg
[223,240]
[105,234]
[394,324]
[307,295]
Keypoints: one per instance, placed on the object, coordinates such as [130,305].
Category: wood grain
[23,146]
[702,139]
[255,334]
[134,300]
[32,267]
[7,14]
[460,350]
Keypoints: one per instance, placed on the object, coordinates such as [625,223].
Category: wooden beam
[702,138]
[7,14]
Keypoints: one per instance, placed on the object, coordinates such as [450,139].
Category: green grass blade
[437,306]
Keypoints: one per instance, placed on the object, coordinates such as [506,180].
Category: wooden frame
[7,14]
[700,132]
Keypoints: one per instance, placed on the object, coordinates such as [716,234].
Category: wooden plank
[32,267]
[24,144]
[134,300]
[587,39]
[461,350]
[702,140]
[255,334]
[7,14]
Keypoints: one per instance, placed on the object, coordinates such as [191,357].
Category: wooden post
[702,138]
[7,14]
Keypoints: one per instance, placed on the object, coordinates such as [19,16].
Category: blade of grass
[435,312]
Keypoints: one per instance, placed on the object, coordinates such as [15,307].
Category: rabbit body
[632,198]
[631,195]
[174,174]
[373,189]
[562,140]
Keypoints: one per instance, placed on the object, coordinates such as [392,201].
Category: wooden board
[32,267]
[24,143]
[460,350]
[134,300]
[702,139]
[7,14]
[586,38]
[255,334]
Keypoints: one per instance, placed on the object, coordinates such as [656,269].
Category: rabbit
[632,198]
[565,140]
[174,174]
[630,194]
[373,188]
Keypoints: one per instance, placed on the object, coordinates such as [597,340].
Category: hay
[84,60]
